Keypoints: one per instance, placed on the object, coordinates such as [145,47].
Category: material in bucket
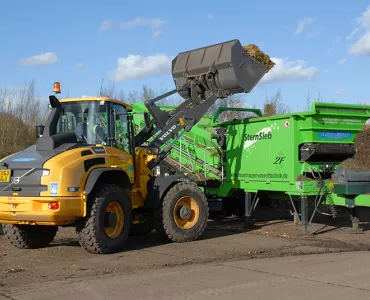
[226,66]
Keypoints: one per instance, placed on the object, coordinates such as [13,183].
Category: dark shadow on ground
[152,240]
[263,217]
[341,222]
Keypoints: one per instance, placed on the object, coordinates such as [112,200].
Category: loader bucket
[235,71]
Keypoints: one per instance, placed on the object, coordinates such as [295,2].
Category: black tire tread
[162,228]
[88,235]
[30,236]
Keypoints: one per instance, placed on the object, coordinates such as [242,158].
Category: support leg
[249,206]
[304,214]
[355,218]
[353,213]
[317,203]
[297,220]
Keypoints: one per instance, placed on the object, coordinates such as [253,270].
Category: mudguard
[116,176]
[157,187]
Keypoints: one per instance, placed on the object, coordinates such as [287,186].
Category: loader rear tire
[183,213]
[106,227]
[30,236]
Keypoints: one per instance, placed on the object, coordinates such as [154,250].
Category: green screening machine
[290,157]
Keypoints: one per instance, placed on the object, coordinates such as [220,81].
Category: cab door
[120,127]
[120,139]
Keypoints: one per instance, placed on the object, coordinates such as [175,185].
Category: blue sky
[319,46]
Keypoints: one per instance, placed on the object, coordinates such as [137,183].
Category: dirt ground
[274,235]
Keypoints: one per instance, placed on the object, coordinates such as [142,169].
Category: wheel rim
[186,212]
[115,229]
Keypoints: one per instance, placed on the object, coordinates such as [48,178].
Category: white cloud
[364,20]
[41,59]
[353,33]
[210,16]
[156,24]
[157,33]
[133,23]
[342,61]
[362,46]
[340,91]
[287,70]
[106,25]
[302,24]
[313,33]
[302,27]
[80,66]
[138,66]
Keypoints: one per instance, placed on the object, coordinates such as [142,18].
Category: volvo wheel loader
[89,168]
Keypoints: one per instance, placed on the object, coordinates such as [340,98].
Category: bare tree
[234,101]
[133,97]
[172,100]
[19,114]
[111,92]
[147,93]
[275,105]
[310,99]
[3,97]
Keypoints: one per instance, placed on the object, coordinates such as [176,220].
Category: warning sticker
[53,188]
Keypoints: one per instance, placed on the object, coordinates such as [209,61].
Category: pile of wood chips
[255,52]
[361,160]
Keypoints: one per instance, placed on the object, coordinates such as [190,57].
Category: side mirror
[147,119]
[39,131]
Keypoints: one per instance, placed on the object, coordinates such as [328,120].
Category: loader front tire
[30,236]
[183,213]
[106,227]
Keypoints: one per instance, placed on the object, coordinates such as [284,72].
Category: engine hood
[27,169]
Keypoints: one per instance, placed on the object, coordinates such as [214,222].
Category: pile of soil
[334,177]
[302,177]
[361,160]
[255,52]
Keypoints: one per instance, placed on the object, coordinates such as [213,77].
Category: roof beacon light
[56,89]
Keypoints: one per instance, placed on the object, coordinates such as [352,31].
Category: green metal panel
[262,153]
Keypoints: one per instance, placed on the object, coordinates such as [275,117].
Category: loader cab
[95,121]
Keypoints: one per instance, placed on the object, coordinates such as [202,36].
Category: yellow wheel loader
[90,170]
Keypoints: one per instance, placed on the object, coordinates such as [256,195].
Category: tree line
[23,109]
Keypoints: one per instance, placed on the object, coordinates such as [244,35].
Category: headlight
[45,172]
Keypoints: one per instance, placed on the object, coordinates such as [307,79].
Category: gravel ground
[273,236]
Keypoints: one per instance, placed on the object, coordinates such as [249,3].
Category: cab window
[87,119]
[120,127]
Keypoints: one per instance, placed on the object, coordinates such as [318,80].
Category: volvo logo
[169,131]
[16,180]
